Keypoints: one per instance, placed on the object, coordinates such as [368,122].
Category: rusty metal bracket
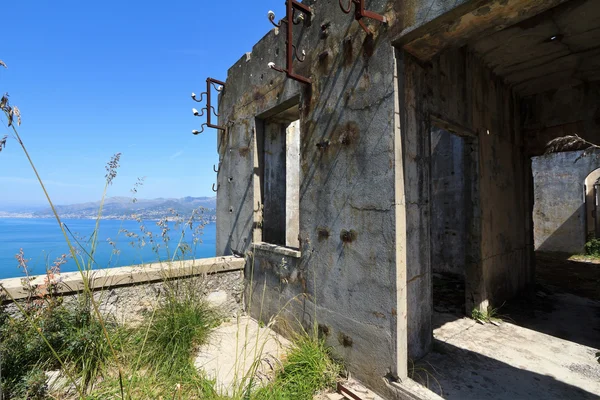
[292,6]
[209,109]
[360,13]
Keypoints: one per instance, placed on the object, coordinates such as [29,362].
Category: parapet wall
[105,279]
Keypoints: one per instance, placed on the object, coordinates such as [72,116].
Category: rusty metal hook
[301,59]
[271,16]
[198,113]
[217,169]
[298,20]
[201,97]
[360,12]
[219,86]
[344,9]
[213,188]
[196,132]
[209,108]
[292,6]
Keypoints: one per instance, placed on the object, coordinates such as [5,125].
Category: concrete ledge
[70,282]
[273,248]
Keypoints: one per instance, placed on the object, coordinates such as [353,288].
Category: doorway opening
[455,233]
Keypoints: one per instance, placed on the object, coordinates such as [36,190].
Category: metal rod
[209,109]
[291,6]
[360,12]
[344,391]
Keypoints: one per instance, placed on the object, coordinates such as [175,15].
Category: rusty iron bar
[360,12]
[291,51]
[210,109]
[213,188]
[346,392]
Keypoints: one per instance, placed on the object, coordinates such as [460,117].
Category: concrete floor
[546,352]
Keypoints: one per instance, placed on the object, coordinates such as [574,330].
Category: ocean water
[42,242]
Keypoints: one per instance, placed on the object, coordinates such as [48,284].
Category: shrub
[72,332]
[179,325]
[592,247]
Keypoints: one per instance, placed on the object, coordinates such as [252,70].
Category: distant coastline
[211,218]
[125,208]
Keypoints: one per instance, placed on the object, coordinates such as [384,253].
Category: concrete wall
[292,185]
[559,212]
[363,270]
[450,202]
[344,277]
[568,111]
[455,89]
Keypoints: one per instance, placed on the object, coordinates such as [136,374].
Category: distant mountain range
[126,208]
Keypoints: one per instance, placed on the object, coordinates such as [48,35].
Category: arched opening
[592,216]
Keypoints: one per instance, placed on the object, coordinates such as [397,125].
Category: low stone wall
[127,293]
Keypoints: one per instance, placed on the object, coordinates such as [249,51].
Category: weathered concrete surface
[363,268]
[565,111]
[70,282]
[130,305]
[238,351]
[559,212]
[555,49]
[347,185]
[458,89]
[431,26]
[549,353]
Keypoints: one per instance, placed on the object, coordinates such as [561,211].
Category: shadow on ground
[456,373]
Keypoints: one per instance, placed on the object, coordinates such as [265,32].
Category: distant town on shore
[124,208]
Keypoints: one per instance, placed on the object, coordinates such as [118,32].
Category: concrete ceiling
[556,48]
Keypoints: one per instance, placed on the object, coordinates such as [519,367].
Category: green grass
[489,315]
[180,325]
[308,369]
[157,356]
[30,343]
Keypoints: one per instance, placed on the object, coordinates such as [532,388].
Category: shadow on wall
[456,373]
[569,237]
[559,212]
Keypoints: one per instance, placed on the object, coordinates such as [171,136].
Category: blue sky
[93,78]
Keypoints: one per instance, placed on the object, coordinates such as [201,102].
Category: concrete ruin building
[397,148]
[566,209]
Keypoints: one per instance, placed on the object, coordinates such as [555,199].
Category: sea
[42,242]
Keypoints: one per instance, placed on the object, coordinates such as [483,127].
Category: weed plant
[308,368]
[592,247]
